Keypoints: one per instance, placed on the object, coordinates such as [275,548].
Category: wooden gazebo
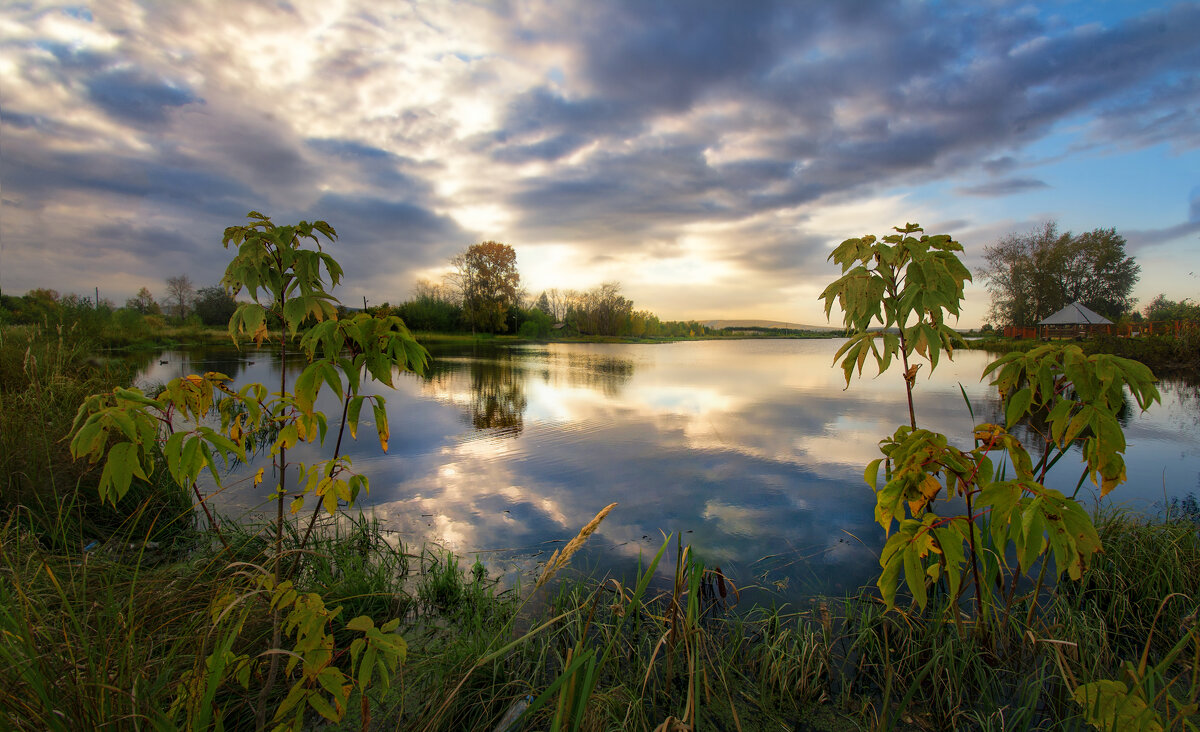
[1074,321]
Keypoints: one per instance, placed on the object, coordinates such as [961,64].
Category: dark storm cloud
[1006,187]
[124,92]
[648,118]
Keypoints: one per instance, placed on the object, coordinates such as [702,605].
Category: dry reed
[559,560]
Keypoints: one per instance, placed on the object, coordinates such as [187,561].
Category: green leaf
[352,413]
[362,624]
[871,474]
[324,708]
[1018,406]
[914,575]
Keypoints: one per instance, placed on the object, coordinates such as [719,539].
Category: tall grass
[44,376]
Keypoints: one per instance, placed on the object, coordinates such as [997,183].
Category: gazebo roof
[1076,314]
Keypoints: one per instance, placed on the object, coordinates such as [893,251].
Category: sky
[706,155]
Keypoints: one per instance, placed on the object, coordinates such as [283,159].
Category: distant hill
[765,324]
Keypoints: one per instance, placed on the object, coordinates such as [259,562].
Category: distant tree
[490,285]
[144,303]
[214,305]
[1033,275]
[180,295]
[1160,308]
[430,290]
[534,323]
[42,295]
[553,303]
[601,310]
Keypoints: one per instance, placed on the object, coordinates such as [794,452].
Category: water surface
[754,450]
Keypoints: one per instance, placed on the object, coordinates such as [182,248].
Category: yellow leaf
[258,477]
[260,334]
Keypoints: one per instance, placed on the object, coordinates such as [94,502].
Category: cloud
[136,97]
[1006,187]
[612,129]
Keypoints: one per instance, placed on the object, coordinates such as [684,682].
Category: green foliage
[490,284]
[535,323]
[898,282]
[911,284]
[197,432]
[1160,308]
[214,305]
[1034,275]
[431,314]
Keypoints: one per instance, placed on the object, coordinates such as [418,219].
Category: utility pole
[364,303]
[97,298]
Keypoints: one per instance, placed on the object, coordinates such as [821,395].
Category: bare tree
[557,303]
[181,293]
[454,282]
[430,290]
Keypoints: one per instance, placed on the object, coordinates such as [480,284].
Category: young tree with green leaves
[191,430]
[895,293]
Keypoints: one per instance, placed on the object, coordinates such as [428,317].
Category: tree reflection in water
[498,396]
[496,379]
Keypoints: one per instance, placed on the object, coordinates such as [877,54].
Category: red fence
[1121,330]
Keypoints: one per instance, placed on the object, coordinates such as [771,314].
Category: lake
[753,449]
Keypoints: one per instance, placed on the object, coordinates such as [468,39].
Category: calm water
[753,449]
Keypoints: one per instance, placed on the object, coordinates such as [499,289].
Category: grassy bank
[107,617]
[105,638]
[1163,354]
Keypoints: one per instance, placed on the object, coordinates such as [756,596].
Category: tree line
[482,293]
[181,303]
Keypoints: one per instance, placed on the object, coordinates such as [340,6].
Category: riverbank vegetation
[120,608]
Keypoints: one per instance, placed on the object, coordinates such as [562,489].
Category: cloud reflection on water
[754,447]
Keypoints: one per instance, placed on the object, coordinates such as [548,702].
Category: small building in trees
[1074,321]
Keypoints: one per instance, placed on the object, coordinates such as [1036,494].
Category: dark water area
[753,450]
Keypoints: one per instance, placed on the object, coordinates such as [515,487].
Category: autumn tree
[490,284]
[180,295]
[143,302]
[1034,275]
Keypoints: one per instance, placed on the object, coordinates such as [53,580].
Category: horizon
[707,156]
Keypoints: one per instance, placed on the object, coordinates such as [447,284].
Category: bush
[214,306]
